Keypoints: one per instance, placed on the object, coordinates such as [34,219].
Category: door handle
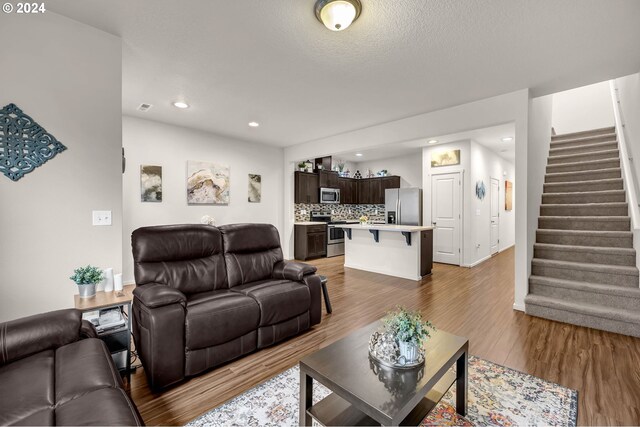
[434,224]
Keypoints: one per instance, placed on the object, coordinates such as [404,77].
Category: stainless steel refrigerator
[403,206]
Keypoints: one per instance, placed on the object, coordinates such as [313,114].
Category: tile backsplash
[340,212]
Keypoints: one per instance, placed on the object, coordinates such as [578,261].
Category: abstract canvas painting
[150,183]
[255,188]
[207,183]
[508,195]
[445,158]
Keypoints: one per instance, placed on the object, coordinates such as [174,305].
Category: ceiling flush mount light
[254,124]
[180,104]
[507,139]
[337,15]
[359,154]
[432,141]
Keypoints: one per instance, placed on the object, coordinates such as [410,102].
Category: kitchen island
[396,250]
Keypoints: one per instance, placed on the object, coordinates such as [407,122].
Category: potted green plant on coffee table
[409,330]
[87,278]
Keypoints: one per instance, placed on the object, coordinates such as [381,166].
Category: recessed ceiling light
[337,15]
[432,141]
[359,154]
[254,124]
[507,139]
[180,104]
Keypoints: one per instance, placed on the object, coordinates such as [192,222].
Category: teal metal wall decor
[24,144]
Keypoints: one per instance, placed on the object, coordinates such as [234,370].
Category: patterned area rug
[497,396]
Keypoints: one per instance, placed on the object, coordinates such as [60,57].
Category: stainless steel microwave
[329,195]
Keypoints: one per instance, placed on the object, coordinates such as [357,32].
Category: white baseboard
[504,249]
[518,307]
[480,261]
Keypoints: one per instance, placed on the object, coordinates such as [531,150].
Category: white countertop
[310,223]
[388,227]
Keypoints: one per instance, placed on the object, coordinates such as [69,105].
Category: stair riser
[576,142]
[575,223]
[575,167]
[625,328]
[564,239]
[584,187]
[585,176]
[568,210]
[599,155]
[577,295]
[582,149]
[588,257]
[583,198]
[585,276]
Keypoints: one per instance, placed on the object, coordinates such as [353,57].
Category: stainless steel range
[335,233]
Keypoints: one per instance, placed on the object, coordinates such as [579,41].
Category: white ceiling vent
[144,107]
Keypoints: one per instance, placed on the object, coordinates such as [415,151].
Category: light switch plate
[101,217]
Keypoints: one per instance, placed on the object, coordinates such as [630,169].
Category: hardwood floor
[476,303]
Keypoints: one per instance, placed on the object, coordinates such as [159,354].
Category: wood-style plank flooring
[476,303]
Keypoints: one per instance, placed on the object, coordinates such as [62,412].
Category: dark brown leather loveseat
[53,371]
[206,295]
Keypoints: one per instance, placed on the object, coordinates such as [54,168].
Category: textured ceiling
[273,62]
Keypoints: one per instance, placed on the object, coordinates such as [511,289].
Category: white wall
[485,164]
[67,77]
[535,159]
[409,168]
[153,143]
[583,108]
[629,96]
[476,162]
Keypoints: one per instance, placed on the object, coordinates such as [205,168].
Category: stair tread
[585,308]
[578,248]
[591,181]
[587,286]
[569,193]
[602,171]
[588,218]
[589,153]
[583,266]
[581,134]
[593,144]
[588,162]
[598,204]
[587,232]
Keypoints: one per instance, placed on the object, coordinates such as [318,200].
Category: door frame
[460,173]
[490,195]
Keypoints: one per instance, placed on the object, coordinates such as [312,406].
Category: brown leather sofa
[53,371]
[207,295]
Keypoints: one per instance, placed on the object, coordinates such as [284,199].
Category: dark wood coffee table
[365,393]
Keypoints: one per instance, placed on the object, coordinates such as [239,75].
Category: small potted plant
[364,219]
[302,166]
[409,330]
[87,278]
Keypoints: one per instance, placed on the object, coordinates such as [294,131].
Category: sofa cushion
[217,317]
[185,257]
[82,367]
[279,300]
[102,407]
[250,251]
[27,388]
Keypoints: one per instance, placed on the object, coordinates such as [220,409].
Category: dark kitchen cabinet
[306,187]
[348,191]
[379,185]
[310,241]
[328,179]
[364,191]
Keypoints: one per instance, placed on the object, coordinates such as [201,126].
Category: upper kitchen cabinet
[348,191]
[373,189]
[364,191]
[307,187]
[328,179]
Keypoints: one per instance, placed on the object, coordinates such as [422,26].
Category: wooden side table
[113,338]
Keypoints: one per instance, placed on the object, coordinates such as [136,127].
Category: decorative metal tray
[383,349]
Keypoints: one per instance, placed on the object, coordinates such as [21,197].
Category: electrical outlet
[333,211]
[101,217]
[303,211]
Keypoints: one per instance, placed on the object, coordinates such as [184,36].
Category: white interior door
[495,216]
[446,217]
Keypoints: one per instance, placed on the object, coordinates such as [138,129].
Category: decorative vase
[87,291]
[409,351]
[108,280]
[117,282]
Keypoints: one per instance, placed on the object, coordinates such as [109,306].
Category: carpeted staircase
[584,266]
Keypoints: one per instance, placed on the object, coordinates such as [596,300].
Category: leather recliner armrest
[30,335]
[158,295]
[292,270]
